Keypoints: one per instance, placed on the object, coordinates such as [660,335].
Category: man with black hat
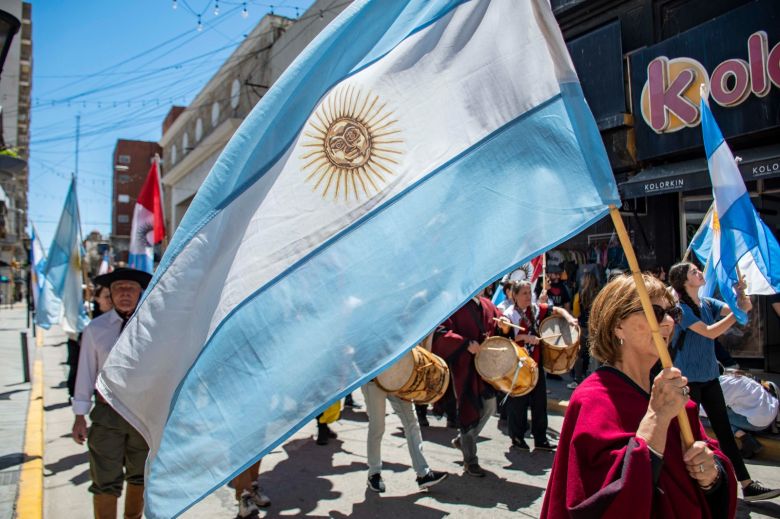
[117,451]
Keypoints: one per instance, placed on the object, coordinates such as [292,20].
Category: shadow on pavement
[399,506]
[11,460]
[67,463]
[759,509]
[299,487]
[52,407]
[7,394]
[488,492]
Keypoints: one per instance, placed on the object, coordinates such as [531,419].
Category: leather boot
[134,501]
[105,506]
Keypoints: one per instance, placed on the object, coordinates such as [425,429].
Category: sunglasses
[675,312]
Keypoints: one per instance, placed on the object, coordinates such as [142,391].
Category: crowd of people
[619,449]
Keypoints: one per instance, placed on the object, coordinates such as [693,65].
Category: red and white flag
[148,227]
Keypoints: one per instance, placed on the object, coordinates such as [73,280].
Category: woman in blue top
[704,320]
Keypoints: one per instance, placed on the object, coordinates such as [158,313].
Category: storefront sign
[737,55]
[769,168]
[675,184]
[670,96]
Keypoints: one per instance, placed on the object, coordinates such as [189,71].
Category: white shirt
[97,341]
[747,397]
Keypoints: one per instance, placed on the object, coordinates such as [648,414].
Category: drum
[506,366]
[419,376]
[561,345]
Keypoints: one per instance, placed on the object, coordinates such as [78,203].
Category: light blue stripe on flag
[61,298]
[278,299]
[746,246]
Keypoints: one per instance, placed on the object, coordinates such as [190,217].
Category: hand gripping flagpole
[647,306]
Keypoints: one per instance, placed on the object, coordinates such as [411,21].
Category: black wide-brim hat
[124,274]
[554,269]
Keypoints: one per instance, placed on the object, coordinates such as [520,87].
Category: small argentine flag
[360,203]
[737,238]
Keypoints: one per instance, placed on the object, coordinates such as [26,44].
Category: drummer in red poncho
[457,340]
[620,453]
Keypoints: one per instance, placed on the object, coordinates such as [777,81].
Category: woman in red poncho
[620,453]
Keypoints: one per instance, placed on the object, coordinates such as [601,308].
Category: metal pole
[25,357]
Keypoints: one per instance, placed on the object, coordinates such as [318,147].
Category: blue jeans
[739,422]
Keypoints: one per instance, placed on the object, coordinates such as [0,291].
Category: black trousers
[517,412]
[710,396]
[74,348]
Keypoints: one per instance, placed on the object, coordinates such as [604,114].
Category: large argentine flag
[745,241]
[148,226]
[362,201]
[61,298]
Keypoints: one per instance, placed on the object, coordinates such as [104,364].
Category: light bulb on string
[216,8]
[200,25]
[244,12]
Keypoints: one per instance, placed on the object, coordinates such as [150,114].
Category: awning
[688,175]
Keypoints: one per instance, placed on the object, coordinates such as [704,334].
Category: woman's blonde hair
[616,301]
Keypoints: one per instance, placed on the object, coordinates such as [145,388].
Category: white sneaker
[572,385]
[246,505]
[258,497]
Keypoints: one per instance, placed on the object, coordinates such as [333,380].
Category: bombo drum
[506,366]
[419,376]
[561,344]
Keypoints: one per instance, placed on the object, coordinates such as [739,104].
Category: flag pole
[164,244]
[647,306]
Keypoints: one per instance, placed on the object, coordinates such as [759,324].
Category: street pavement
[301,478]
[14,397]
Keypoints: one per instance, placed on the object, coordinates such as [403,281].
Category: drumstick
[550,336]
[509,324]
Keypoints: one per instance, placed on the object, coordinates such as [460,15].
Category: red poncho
[471,322]
[603,470]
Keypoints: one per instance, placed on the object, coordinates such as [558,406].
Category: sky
[119,66]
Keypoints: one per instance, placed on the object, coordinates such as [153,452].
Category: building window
[185,143]
[124,159]
[123,199]
[235,93]
[215,114]
[123,179]
[198,129]
[173,154]
[123,218]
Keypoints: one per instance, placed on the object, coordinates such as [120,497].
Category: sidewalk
[14,398]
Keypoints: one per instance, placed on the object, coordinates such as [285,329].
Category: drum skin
[561,345]
[419,376]
[497,362]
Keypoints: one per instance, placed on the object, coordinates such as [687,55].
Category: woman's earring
[621,340]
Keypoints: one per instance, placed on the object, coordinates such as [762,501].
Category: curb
[29,503]
[770,452]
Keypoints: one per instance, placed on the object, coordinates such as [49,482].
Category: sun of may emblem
[352,145]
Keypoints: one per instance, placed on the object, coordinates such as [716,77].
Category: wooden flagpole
[164,244]
[647,306]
